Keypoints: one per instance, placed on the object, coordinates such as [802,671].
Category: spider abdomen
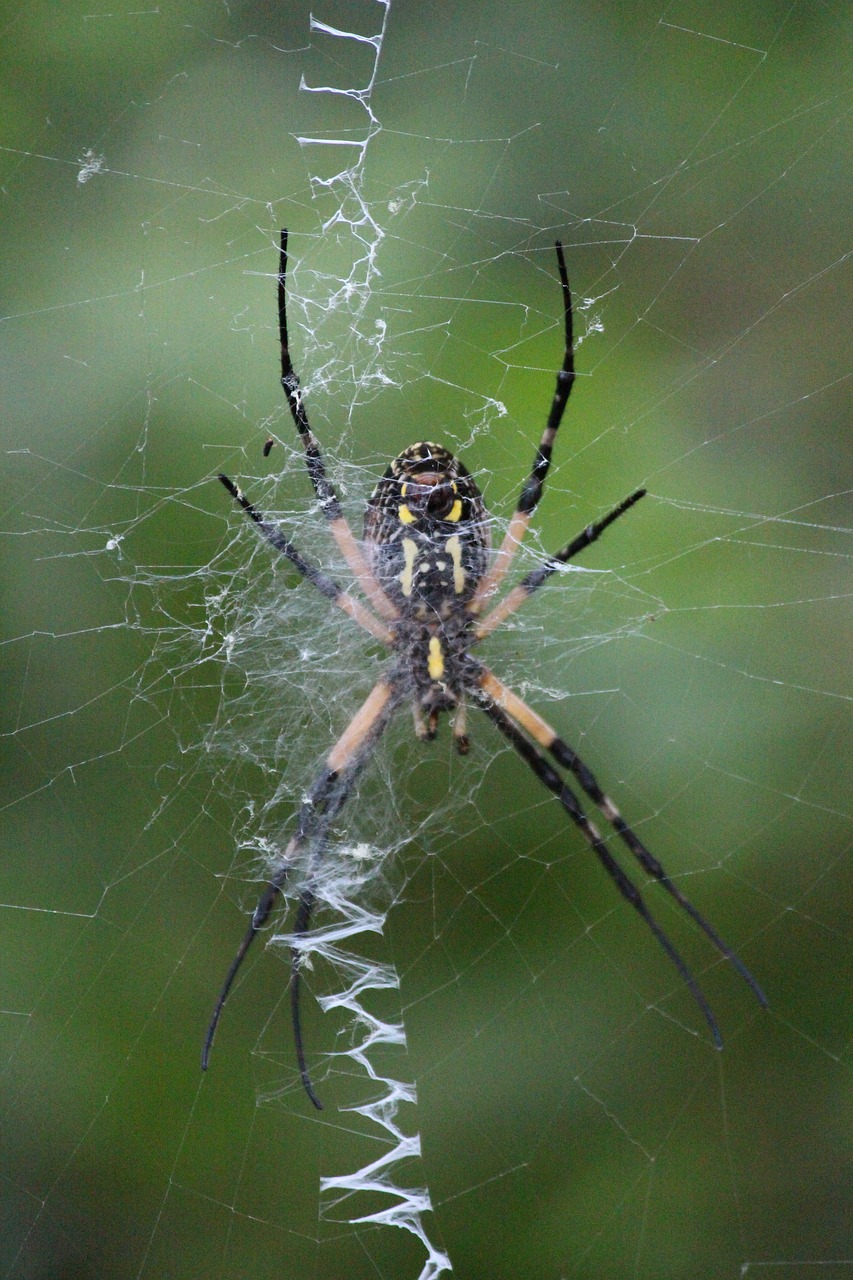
[426,533]
[434,659]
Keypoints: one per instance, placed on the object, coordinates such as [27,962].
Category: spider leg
[512,715]
[531,492]
[259,917]
[328,794]
[551,779]
[538,577]
[324,584]
[300,929]
[329,501]
[460,728]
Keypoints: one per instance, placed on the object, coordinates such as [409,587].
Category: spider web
[551,1103]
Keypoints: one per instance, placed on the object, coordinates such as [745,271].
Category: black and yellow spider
[424,567]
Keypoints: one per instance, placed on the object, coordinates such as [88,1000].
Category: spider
[425,570]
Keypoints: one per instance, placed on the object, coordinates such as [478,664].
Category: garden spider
[424,567]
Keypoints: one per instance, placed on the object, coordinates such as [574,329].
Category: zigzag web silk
[336,900]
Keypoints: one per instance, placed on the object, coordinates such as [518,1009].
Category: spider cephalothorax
[429,585]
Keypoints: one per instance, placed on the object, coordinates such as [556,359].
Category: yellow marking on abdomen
[405,514]
[435,659]
[454,548]
[407,573]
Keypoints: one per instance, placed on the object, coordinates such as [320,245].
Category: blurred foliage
[691,157]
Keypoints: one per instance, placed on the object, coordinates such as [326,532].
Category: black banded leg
[509,704]
[259,917]
[312,824]
[328,794]
[629,891]
[531,493]
[324,584]
[329,501]
[569,759]
[538,577]
[300,928]
[323,487]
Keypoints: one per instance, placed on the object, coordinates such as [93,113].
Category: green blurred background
[575,1119]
